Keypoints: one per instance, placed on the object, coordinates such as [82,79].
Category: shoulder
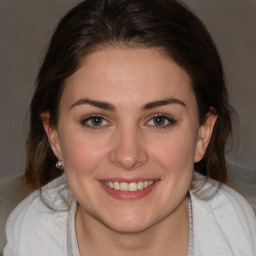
[39,220]
[225,222]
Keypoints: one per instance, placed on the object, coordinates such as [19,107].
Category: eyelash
[85,121]
[170,121]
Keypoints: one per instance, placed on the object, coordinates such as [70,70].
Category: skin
[130,144]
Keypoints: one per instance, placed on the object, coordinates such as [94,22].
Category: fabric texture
[12,191]
[224,225]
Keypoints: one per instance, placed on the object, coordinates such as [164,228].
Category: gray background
[26,26]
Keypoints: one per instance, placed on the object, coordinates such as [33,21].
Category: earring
[60,164]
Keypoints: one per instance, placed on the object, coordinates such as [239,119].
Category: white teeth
[150,182]
[145,184]
[124,186]
[116,185]
[111,184]
[132,186]
[140,185]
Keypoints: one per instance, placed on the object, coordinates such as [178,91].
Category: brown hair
[165,24]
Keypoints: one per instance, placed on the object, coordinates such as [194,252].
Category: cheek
[176,152]
[82,155]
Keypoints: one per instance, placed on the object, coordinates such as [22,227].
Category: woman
[129,122]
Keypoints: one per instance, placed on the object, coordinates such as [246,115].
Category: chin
[129,227]
[130,222]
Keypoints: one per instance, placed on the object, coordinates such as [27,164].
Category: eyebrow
[110,107]
[160,103]
[95,103]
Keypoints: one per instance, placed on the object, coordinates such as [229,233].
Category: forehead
[122,75]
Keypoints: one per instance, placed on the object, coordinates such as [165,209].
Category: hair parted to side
[164,24]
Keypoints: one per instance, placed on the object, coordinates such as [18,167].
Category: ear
[52,134]
[204,136]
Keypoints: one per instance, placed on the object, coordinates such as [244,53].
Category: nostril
[127,151]
[128,162]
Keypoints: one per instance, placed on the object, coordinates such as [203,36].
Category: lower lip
[129,195]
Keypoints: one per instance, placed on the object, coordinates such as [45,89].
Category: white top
[223,226]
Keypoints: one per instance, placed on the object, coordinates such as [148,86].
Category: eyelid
[170,119]
[84,121]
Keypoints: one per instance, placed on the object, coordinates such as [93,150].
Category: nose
[128,151]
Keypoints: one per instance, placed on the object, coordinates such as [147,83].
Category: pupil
[96,121]
[159,120]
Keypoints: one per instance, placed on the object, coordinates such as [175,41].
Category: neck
[169,235]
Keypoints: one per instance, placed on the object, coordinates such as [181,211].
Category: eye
[94,122]
[161,121]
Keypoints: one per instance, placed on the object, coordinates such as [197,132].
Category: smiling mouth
[128,186]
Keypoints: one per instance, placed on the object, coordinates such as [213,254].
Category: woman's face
[129,135]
